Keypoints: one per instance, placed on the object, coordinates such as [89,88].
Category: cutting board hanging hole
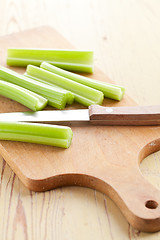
[151,204]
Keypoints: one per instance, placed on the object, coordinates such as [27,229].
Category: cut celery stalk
[84,101]
[93,95]
[69,95]
[56,97]
[58,136]
[22,95]
[110,90]
[73,60]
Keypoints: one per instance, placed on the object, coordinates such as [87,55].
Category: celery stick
[93,95]
[69,95]
[58,136]
[56,97]
[22,95]
[110,90]
[84,101]
[73,60]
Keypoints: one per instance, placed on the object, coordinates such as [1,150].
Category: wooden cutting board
[105,158]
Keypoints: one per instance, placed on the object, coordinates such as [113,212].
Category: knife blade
[137,115]
[47,116]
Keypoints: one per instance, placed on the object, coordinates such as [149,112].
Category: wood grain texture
[135,115]
[129,54]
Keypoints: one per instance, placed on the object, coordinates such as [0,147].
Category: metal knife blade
[79,115]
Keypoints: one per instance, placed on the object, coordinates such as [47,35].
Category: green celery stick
[58,136]
[110,90]
[73,60]
[93,95]
[84,101]
[70,95]
[22,95]
[56,97]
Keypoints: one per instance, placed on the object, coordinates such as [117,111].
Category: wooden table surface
[125,37]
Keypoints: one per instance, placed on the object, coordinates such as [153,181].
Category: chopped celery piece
[73,60]
[70,95]
[56,97]
[94,96]
[22,95]
[84,101]
[58,136]
[110,90]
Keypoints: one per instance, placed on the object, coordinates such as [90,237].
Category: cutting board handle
[138,200]
[138,115]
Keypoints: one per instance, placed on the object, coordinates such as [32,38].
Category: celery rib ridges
[80,91]
[56,97]
[110,90]
[22,95]
[73,60]
[70,96]
[59,136]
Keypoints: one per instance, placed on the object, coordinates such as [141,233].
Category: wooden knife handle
[138,115]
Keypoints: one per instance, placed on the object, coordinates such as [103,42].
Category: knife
[137,115]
